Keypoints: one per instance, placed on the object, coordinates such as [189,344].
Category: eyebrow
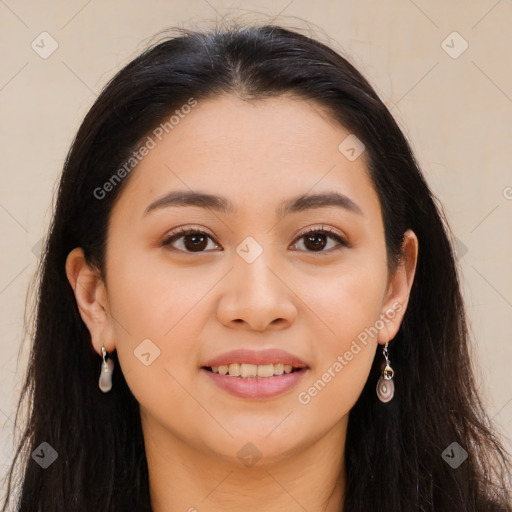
[182,198]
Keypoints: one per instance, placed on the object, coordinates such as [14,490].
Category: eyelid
[182,231]
[328,230]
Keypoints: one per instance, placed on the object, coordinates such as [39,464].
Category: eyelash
[181,232]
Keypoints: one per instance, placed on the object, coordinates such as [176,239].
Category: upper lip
[258,357]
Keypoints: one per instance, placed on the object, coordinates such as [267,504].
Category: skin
[196,305]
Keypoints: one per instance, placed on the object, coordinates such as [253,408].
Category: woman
[249,300]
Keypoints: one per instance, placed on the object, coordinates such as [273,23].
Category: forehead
[253,152]
[278,127]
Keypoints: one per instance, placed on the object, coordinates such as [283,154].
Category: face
[276,271]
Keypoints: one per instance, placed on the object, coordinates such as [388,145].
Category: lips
[256,357]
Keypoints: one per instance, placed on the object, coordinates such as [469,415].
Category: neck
[184,478]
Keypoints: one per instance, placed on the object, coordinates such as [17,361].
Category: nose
[256,297]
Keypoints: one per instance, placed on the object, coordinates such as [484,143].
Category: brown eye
[316,240]
[193,240]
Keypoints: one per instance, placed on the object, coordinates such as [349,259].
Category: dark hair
[393,451]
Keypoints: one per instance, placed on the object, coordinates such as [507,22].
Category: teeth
[234,369]
[265,370]
[248,370]
[279,369]
[253,370]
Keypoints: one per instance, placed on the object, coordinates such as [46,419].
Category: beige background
[456,112]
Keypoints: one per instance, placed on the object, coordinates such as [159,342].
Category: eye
[194,240]
[315,239]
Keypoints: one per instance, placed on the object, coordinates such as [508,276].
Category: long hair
[394,452]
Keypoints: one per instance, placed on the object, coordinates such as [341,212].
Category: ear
[399,288]
[91,298]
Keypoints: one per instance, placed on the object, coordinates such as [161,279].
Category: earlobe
[91,299]
[399,289]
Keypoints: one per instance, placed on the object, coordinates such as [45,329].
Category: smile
[246,370]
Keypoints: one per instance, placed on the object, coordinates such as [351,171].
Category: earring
[385,386]
[107,367]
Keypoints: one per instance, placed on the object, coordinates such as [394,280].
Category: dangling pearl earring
[107,367]
[385,386]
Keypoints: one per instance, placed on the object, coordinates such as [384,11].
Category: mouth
[255,374]
[251,381]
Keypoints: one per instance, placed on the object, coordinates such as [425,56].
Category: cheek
[151,297]
[347,301]
[349,307]
[155,308]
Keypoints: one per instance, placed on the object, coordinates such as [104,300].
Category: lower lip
[254,387]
